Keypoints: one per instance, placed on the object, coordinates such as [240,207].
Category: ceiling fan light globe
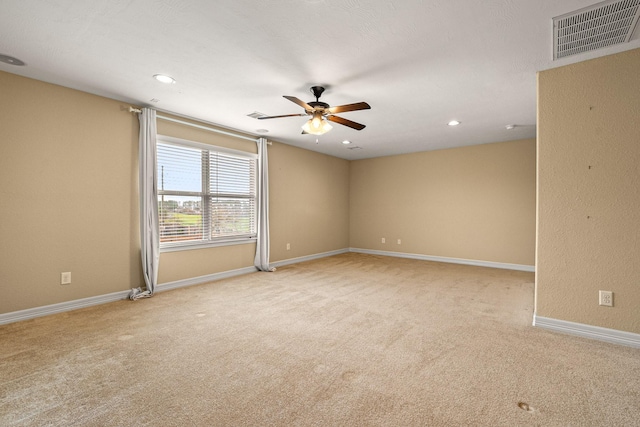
[309,127]
[316,121]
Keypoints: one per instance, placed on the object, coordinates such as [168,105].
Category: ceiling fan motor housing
[316,104]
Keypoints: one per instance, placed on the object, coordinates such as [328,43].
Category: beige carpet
[350,340]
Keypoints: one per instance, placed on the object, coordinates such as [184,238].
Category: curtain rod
[210,129]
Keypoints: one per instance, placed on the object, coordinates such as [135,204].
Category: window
[206,194]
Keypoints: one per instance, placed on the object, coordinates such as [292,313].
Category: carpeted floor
[350,340]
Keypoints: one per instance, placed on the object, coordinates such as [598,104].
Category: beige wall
[68,191]
[308,201]
[475,203]
[68,174]
[589,192]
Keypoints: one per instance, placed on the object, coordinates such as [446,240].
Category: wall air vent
[601,25]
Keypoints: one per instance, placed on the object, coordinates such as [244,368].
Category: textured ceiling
[418,63]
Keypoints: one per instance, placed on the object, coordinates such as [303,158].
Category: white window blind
[206,194]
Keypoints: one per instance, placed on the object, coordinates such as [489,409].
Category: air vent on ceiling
[256,114]
[603,24]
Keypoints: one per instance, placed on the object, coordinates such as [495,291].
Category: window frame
[207,195]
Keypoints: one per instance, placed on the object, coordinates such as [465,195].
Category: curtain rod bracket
[134,110]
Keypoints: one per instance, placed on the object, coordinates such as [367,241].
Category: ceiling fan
[319,111]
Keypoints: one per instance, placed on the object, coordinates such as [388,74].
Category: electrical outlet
[288,246]
[384,240]
[606,298]
[399,241]
[65,278]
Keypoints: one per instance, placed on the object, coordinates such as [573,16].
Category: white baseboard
[31,313]
[491,264]
[204,279]
[308,258]
[587,331]
[46,310]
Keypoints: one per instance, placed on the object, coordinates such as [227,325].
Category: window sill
[195,246]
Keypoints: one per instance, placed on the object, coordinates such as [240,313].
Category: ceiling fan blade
[348,107]
[284,115]
[299,102]
[345,122]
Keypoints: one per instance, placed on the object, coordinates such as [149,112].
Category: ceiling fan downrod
[317,92]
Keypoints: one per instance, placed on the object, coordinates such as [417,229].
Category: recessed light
[453,123]
[11,60]
[346,142]
[164,79]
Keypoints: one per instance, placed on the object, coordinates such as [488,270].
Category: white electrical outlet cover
[605,298]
